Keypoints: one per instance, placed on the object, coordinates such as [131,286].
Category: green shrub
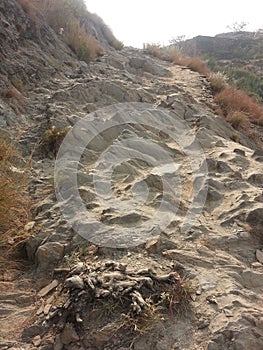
[248,81]
[84,52]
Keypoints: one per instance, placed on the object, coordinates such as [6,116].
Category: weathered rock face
[221,254]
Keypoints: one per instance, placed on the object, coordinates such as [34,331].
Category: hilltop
[170,251]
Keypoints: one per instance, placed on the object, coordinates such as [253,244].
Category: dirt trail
[218,254]
[17,307]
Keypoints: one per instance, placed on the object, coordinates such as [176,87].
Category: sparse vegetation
[67,14]
[243,75]
[135,300]
[73,17]
[154,50]
[172,54]
[237,26]
[14,200]
[238,119]
[84,45]
[232,100]
[234,104]
[218,81]
[247,80]
[198,65]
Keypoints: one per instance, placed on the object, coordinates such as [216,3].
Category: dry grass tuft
[238,120]
[154,50]
[172,54]
[232,100]
[218,81]
[14,201]
[176,57]
[83,44]
[68,14]
[198,65]
[175,298]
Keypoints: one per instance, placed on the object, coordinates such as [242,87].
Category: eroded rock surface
[222,252]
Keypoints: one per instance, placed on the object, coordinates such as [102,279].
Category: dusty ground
[218,255]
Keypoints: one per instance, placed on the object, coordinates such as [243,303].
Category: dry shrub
[84,45]
[153,49]
[233,100]
[73,17]
[14,200]
[176,57]
[218,81]
[172,54]
[67,14]
[54,14]
[197,65]
[194,63]
[238,119]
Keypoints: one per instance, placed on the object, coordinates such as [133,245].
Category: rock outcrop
[45,90]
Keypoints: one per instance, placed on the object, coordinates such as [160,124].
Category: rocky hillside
[238,54]
[146,231]
[234,45]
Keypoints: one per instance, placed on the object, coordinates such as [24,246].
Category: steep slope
[159,114]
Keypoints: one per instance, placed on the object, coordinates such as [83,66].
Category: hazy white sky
[137,21]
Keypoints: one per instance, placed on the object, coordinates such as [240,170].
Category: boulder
[48,255]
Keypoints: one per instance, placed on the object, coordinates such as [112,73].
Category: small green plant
[84,52]
[53,138]
[247,80]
